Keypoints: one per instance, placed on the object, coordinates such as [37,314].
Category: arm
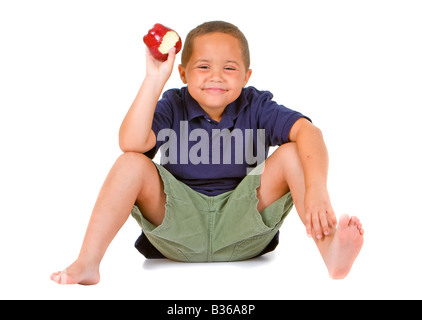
[135,132]
[314,157]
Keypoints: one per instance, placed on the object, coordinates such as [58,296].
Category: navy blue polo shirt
[213,157]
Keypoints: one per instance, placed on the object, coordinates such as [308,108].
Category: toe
[64,279]
[344,221]
[60,277]
[353,221]
[55,277]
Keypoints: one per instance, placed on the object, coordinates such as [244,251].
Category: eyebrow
[233,61]
[201,60]
[207,61]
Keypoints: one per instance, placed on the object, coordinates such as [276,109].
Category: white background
[69,71]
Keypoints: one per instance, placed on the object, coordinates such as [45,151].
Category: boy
[214,198]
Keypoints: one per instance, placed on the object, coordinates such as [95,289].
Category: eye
[203,67]
[230,68]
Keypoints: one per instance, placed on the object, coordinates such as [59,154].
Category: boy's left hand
[319,214]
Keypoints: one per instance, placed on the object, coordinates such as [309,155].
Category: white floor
[388,268]
[70,73]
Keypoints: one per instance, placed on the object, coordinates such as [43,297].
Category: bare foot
[77,273]
[345,247]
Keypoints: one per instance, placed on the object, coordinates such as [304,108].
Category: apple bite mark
[169,41]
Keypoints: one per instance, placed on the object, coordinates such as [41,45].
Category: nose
[216,75]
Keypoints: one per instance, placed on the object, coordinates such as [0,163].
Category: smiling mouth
[215,90]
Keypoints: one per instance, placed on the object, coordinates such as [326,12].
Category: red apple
[160,40]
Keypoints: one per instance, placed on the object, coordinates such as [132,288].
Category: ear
[247,77]
[182,73]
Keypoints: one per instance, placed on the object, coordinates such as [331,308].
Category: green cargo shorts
[226,227]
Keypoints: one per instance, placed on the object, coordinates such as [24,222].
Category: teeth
[169,41]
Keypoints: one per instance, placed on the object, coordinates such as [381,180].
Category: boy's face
[215,73]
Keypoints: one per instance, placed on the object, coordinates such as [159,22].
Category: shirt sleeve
[277,120]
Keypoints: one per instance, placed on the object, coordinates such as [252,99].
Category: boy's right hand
[157,69]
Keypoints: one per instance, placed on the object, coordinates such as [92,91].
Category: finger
[172,51]
[148,53]
[149,59]
[172,55]
[332,215]
[324,222]
[316,225]
[308,225]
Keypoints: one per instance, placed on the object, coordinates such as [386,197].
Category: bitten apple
[160,40]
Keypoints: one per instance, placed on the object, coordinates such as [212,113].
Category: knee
[132,156]
[289,148]
[288,154]
[286,159]
[133,160]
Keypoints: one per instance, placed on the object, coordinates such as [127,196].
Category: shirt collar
[193,109]
[233,110]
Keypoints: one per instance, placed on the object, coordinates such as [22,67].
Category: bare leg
[283,172]
[133,178]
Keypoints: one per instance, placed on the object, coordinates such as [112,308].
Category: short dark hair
[213,27]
